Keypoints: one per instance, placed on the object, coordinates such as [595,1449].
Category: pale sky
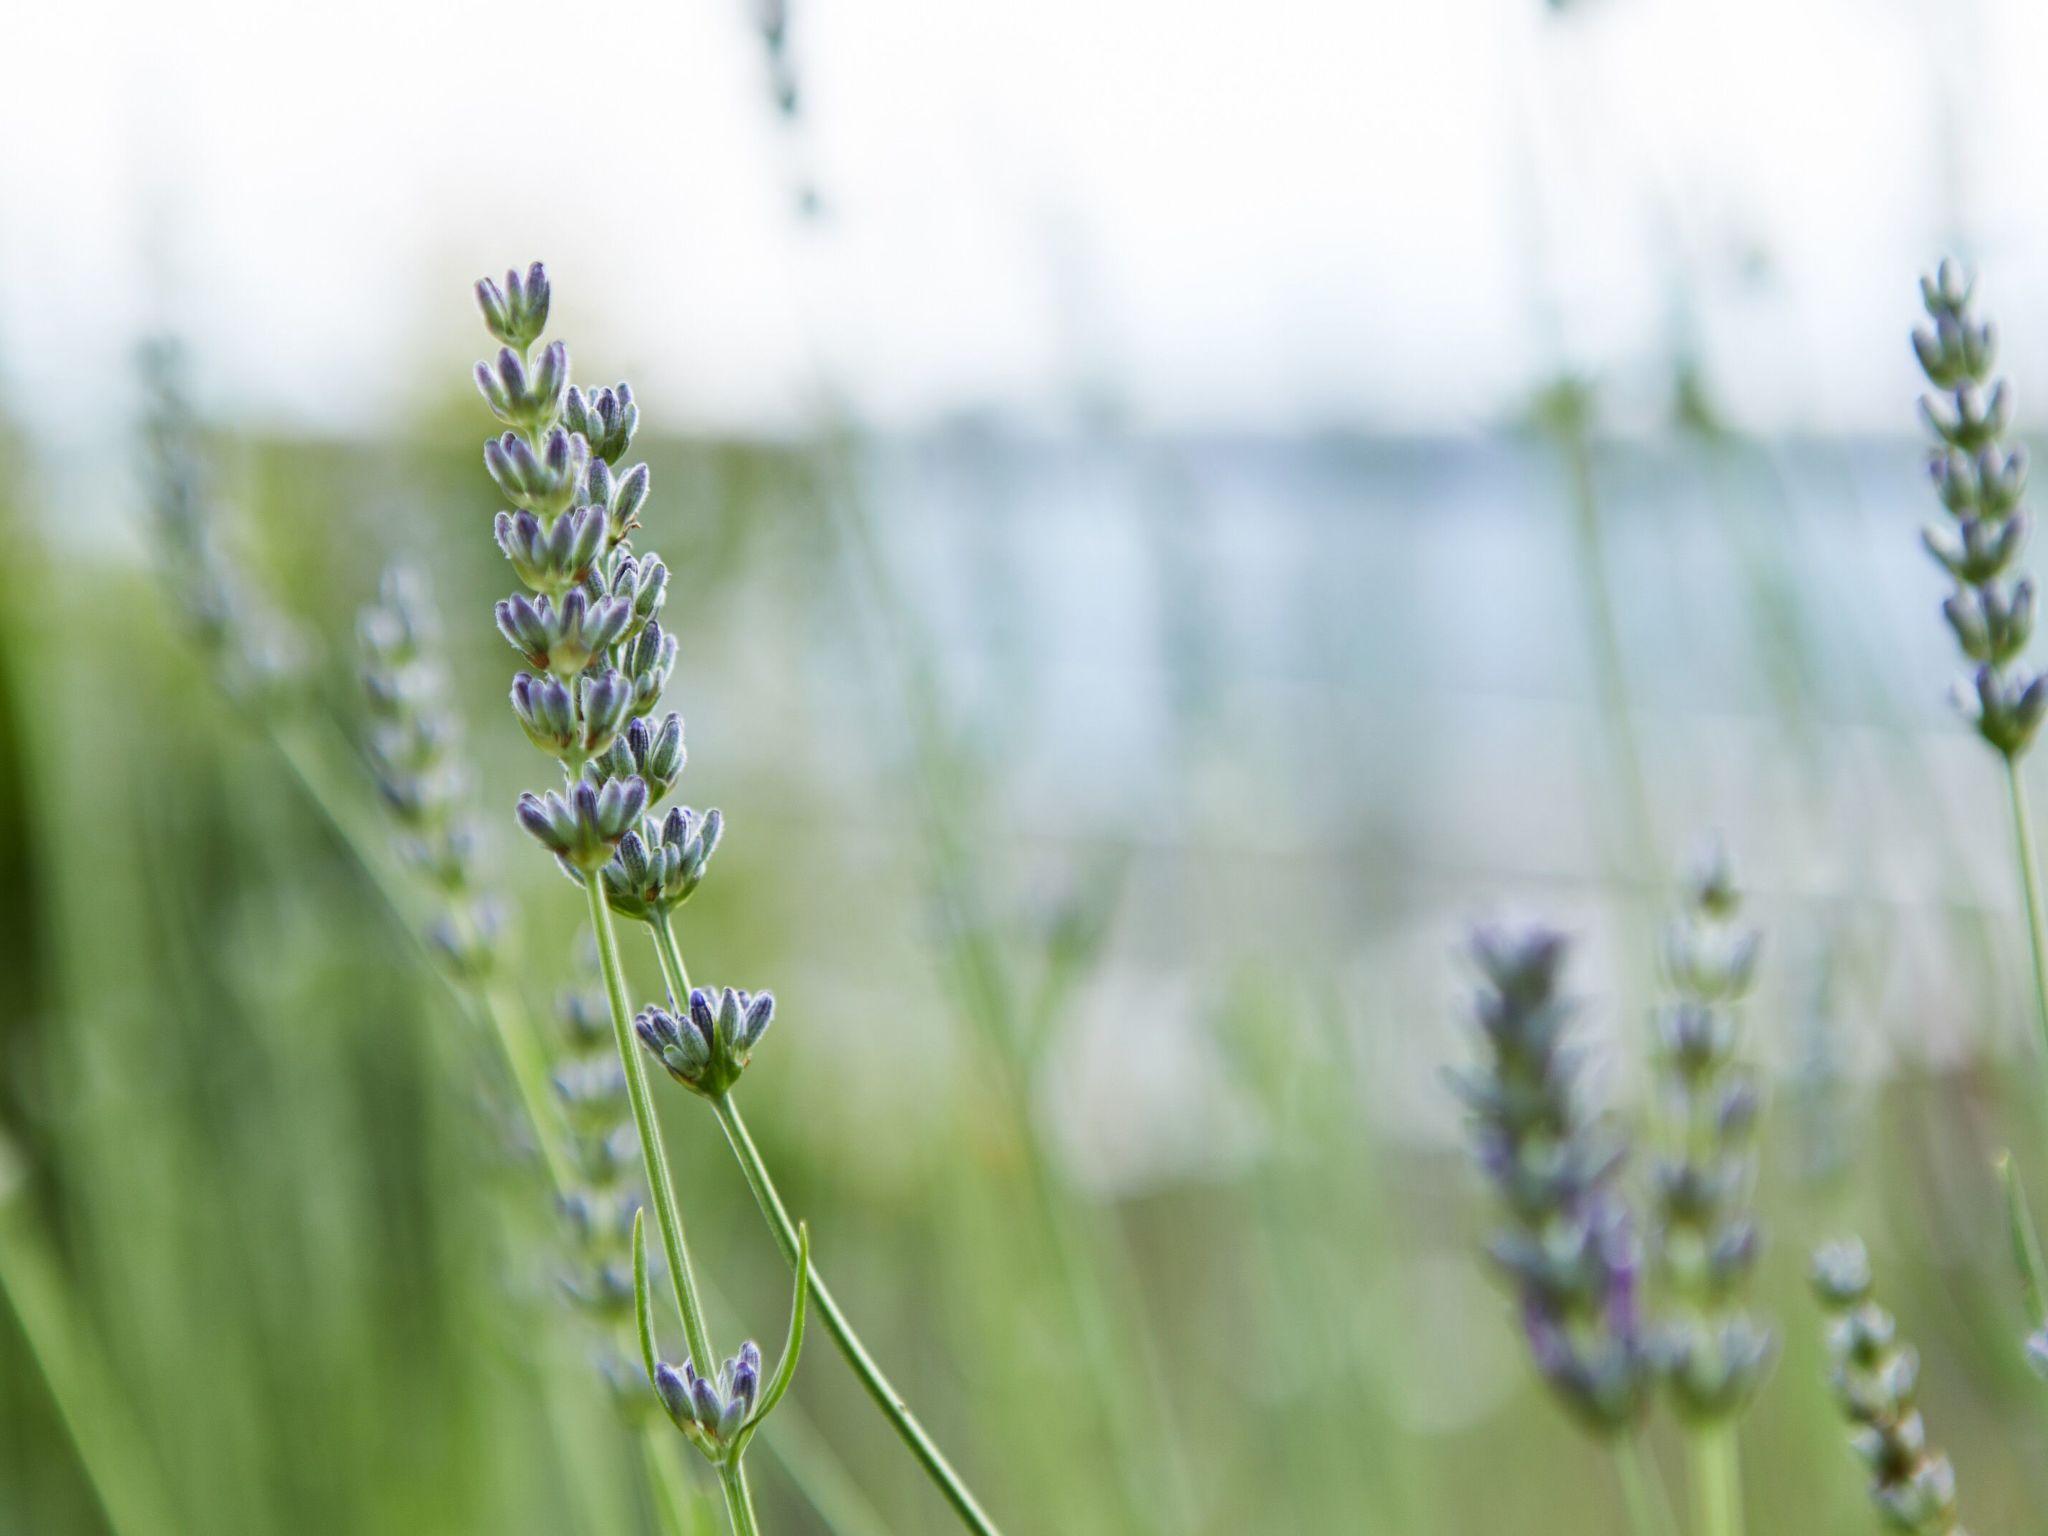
[1223,213]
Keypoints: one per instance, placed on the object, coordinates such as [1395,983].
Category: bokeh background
[1174,510]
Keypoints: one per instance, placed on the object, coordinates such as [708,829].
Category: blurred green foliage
[269,1221]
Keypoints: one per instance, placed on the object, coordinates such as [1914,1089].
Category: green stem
[739,1499]
[1642,1490]
[2030,881]
[1717,1479]
[1611,673]
[674,1504]
[886,1397]
[808,1461]
[684,1282]
[112,1452]
[2026,1242]
[878,1386]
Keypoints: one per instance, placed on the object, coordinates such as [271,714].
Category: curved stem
[1642,1490]
[112,1452]
[2030,882]
[1717,1480]
[879,1387]
[675,1505]
[669,954]
[886,1397]
[662,1190]
[739,1499]
[817,1474]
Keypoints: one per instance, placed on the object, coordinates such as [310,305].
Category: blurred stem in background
[111,1450]
[1096,1275]
[1642,1490]
[877,1385]
[2030,884]
[1566,414]
[1717,1479]
[1111,1334]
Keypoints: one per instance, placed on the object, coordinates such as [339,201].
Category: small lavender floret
[546,483]
[573,724]
[710,1045]
[517,312]
[1875,1378]
[1570,1250]
[651,748]
[583,829]
[564,638]
[606,418]
[521,397]
[551,557]
[659,867]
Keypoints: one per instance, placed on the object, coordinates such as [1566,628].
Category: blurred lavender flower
[255,656]
[1713,1353]
[1570,1249]
[413,748]
[1980,479]
[1875,1377]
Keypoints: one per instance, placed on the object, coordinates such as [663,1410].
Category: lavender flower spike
[1570,1248]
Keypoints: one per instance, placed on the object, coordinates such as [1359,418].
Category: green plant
[1876,1376]
[1712,1350]
[1980,478]
[592,633]
[593,629]
[1570,1248]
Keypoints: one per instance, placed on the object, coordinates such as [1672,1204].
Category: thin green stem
[886,1397]
[1642,1490]
[820,1477]
[878,1385]
[680,1276]
[675,1505]
[2030,881]
[2026,1242]
[1717,1479]
[111,1450]
[669,955]
[1611,674]
[739,1499]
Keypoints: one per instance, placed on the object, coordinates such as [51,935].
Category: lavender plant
[415,753]
[1875,1376]
[1569,1249]
[1980,477]
[1712,1350]
[591,630]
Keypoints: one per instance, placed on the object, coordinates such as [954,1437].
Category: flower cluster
[708,1048]
[718,1406]
[1712,1351]
[1875,1377]
[413,750]
[588,625]
[1569,1248]
[588,629]
[1980,478]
